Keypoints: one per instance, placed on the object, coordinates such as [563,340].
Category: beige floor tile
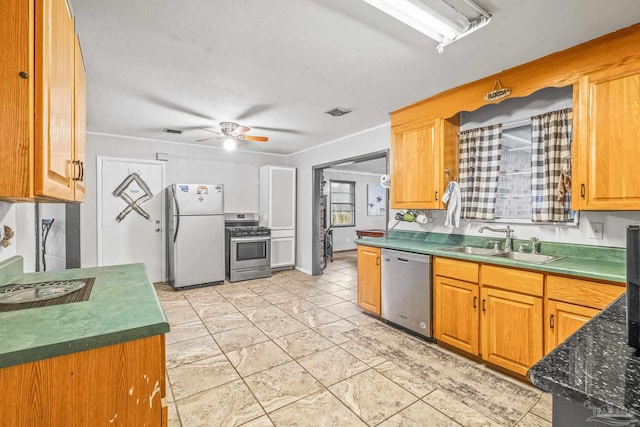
[173,419]
[531,420]
[544,407]
[175,304]
[297,306]
[332,365]
[346,294]
[256,358]
[187,380]
[264,314]
[281,297]
[226,322]
[235,339]
[418,415]
[202,293]
[405,379]
[186,331]
[316,317]
[294,285]
[344,309]
[249,303]
[325,300]
[209,310]
[364,320]
[263,421]
[281,326]
[457,410]
[364,353]
[329,287]
[303,343]
[335,331]
[179,316]
[191,350]
[227,405]
[279,386]
[321,409]
[266,289]
[372,396]
[235,290]
[308,292]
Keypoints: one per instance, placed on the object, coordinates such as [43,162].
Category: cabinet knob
[475,303]
[551,322]
[484,305]
[582,190]
[23,74]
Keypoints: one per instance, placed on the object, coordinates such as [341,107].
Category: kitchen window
[343,203]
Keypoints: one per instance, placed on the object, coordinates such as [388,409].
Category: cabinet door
[606,145]
[563,320]
[456,313]
[416,165]
[282,198]
[80,123]
[511,329]
[16,92]
[54,94]
[369,279]
[283,252]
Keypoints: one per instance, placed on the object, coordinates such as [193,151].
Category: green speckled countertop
[123,306]
[593,262]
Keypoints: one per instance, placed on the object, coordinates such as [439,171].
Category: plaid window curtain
[480,151]
[550,147]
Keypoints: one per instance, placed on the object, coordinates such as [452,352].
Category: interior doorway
[347,196]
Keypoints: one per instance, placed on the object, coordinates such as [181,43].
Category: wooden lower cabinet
[563,319]
[120,385]
[456,305]
[369,290]
[511,329]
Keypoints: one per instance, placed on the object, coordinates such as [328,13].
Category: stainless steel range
[248,247]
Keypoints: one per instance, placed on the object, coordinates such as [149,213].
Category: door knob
[158,229]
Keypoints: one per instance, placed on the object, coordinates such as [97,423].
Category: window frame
[352,185]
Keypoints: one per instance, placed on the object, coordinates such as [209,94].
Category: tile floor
[295,350]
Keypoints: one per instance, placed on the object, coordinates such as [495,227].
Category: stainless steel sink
[529,257]
[472,250]
[32,292]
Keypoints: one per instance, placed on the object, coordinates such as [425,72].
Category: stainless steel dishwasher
[407,290]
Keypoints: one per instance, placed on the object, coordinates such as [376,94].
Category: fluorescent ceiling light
[429,22]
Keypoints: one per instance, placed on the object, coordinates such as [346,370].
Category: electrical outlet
[596,230]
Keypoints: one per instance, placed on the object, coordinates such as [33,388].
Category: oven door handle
[250,238]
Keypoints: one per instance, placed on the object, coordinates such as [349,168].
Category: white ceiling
[278,65]
[376,166]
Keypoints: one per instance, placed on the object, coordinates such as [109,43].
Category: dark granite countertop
[123,306]
[592,262]
[594,367]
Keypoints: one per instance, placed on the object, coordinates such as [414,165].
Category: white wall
[343,237]
[21,218]
[237,170]
[370,141]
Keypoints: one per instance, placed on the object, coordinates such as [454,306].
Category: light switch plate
[597,229]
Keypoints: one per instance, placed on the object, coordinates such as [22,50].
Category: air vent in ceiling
[337,112]
[172,131]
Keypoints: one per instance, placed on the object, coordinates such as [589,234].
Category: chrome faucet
[507,241]
[533,241]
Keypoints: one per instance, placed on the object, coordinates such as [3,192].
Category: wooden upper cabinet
[38,112]
[607,140]
[369,279]
[80,97]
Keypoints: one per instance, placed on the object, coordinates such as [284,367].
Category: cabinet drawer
[461,270]
[582,292]
[524,282]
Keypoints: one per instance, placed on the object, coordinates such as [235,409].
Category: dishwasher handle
[403,260]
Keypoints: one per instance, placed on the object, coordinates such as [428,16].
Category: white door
[130,214]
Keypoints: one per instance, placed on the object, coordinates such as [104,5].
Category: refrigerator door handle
[177,205]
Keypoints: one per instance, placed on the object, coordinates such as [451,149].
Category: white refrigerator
[195,235]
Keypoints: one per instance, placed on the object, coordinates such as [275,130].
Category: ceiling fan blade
[281,130]
[207,139]
[254,138]
[212,131]
[240,130]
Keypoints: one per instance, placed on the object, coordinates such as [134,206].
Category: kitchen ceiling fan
[231,133]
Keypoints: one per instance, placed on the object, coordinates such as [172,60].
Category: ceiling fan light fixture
[229,144]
